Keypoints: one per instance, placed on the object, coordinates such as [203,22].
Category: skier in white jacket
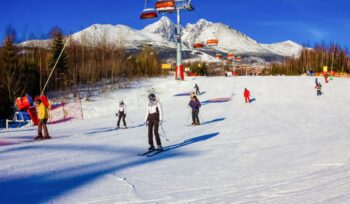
[121,113]
[154,117]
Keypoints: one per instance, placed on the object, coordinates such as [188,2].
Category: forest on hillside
[25,69]
[333,56]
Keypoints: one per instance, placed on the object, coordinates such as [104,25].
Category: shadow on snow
[213,121]
[45,186]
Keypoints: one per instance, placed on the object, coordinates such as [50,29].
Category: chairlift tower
[169,7]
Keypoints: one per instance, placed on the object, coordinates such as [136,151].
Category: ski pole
[130,120]
[188,117]
[201,117]
[166,138]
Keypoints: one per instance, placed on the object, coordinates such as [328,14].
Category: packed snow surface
[287,146]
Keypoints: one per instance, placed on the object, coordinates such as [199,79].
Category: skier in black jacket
[197,89]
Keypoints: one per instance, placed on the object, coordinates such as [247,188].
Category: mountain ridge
[162,34]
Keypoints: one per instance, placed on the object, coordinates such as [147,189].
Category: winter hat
[38,99]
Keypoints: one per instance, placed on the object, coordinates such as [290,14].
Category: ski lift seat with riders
[165,6]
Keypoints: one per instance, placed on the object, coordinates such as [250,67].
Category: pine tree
[56,49]
[61,69]
[10,69]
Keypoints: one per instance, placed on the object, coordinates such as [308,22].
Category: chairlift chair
[198,45]
[165,6]
[218,56]
[148,13]
[213,42]
[230,56]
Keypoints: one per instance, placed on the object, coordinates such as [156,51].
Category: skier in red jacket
[246,95]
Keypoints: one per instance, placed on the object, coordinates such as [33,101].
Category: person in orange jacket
[246,95]
[43,116]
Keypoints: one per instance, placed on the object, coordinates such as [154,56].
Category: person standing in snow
[154,117]
[121,114]
[197,89]
[43,116]
[318,88]
[195,105]
[326,77]
[246,95]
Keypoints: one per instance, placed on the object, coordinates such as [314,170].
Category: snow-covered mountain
[164,28]
[163,34]
[287,48]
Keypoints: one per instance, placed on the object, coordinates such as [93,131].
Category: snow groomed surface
[289,146]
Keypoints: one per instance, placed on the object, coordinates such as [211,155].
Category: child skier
[318,88]
[154,116]
[43,116]
[121,114]
[195,105]
[197,89]
[246,95]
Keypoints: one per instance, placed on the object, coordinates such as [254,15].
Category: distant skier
[43,116]
[197,89]
[318,88]
[154,117]
[246,95]
[121,114]
[195,104]
[326,77]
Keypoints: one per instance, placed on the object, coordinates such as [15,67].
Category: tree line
[333,56]
[24,69]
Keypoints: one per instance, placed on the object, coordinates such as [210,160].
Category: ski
[156,152]
[146,153]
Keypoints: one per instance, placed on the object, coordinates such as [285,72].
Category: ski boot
[39,137]
[159,148]
[151,148]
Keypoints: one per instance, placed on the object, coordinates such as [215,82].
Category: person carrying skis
[154,117]
[246,95]
[195,105]
[121,114]
[197,89]
[43,116]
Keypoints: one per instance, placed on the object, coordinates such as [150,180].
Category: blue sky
[267,21]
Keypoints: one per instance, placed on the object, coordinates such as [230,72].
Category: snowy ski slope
[288,146]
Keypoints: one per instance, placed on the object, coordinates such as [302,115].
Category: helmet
[152,97]
[121,102]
